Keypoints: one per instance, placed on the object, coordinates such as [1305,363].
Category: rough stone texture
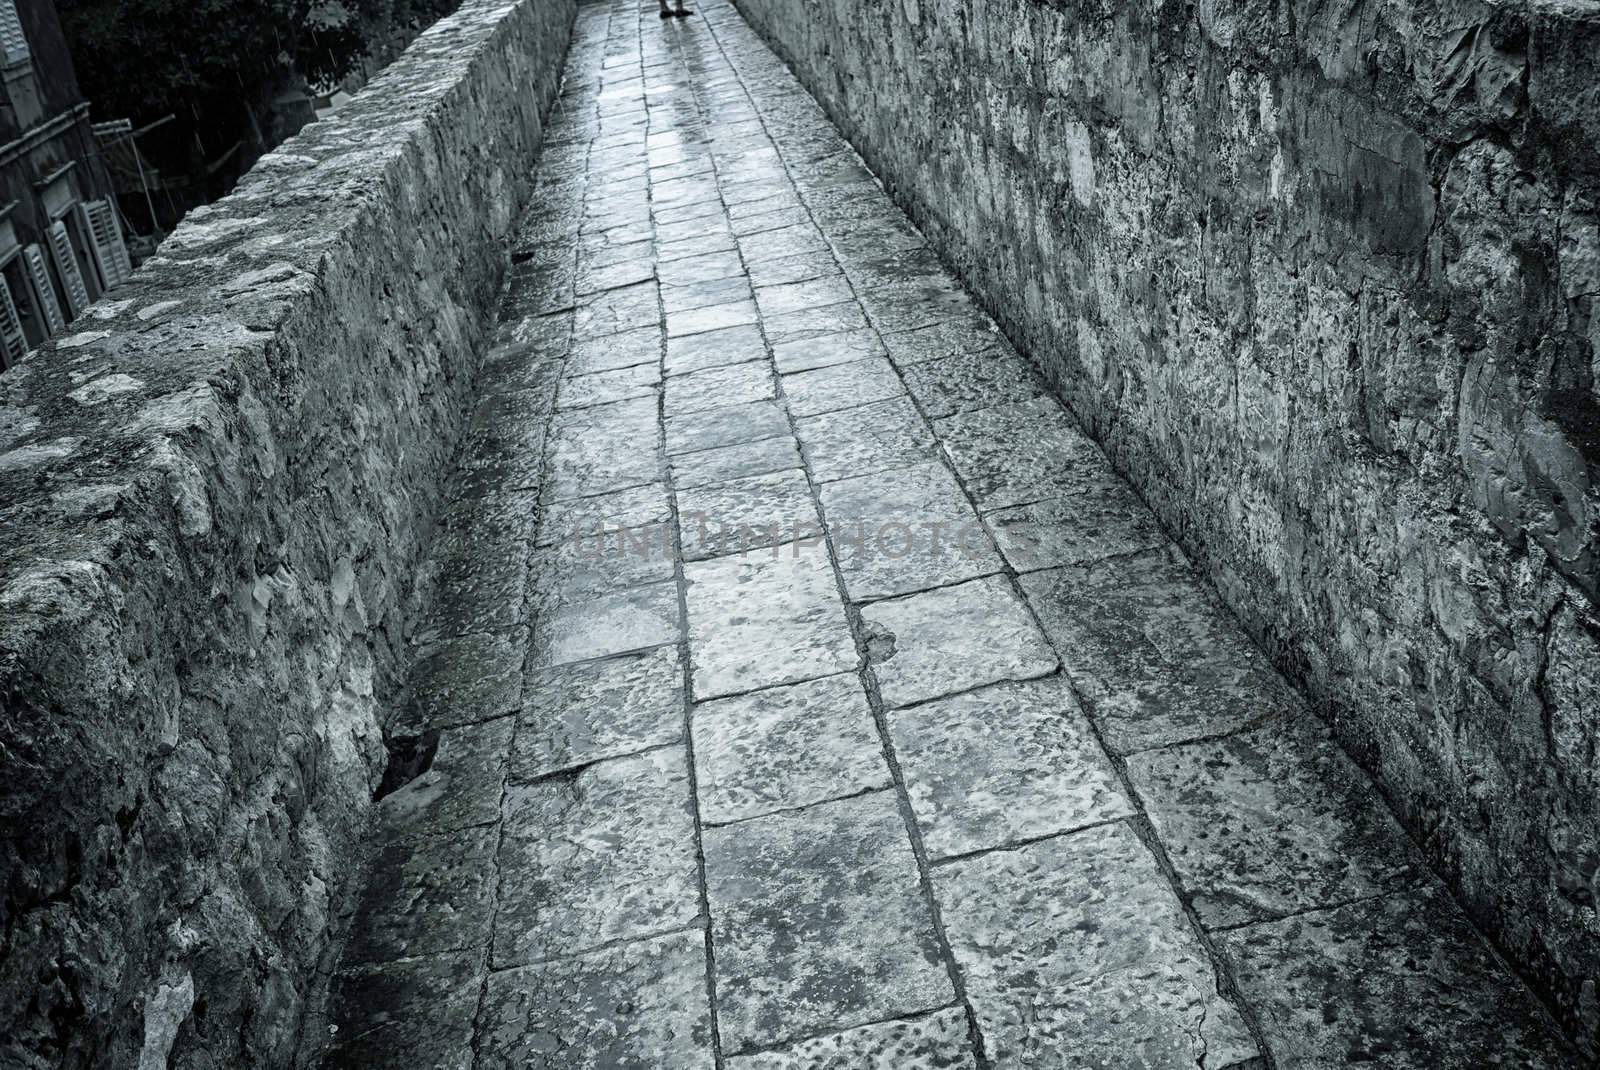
[818,922]
[1075,946]
[603,853]
[1400,981]
[936,1042]
[639,1006]
[785,747]
[214,495]
[1320,277]
[1002,764]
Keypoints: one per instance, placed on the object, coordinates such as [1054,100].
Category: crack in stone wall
[1320,277]
[213,498]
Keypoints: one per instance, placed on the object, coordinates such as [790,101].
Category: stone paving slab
[1156,661]
[1399,981]
[761,457]
[746,514]
[639,1006]
[710,388]
[869,438]
[1099,517]
[612,623]
[764,618]
[578,518]
[842,386]
[1272,822]
[725,425]
[818,921]
[905,530]
[1018,453]
[582,712]
[1052,937]
[605,853]
[1003,764]
[952,639]
[785,748]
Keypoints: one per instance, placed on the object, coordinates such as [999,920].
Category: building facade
[61,238]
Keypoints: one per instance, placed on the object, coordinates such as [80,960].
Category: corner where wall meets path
[1321,278]
[214,495]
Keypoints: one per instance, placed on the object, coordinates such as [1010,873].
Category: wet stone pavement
[884,729]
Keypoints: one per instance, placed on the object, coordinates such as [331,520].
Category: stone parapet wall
[1324,279]
[214,493]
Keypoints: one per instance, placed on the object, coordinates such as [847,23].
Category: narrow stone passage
[885,728]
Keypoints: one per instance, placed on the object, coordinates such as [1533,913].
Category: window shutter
[13,343]
[67,268]
[13,42]
[40,274]
[110,249]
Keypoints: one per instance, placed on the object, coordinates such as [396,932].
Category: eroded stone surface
[1001,764]
[1155,660]
[606,624]
[745,514]
[936,1041]
[427,898]
[869,438]
[415,1012]
[1396,981]
[905,530]
[768,617]
[461,788]
[601,854]
[466,680]
[1271,822]
[578,713]
[639,1006]
[785,747]
[942,641]
[818,921]
[1054,936]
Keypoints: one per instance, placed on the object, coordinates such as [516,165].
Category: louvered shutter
[40,274]
[111,252]
[13,343]
[13,42]
[67,268]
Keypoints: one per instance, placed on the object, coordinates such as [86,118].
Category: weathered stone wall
[213,495]
[1324,278]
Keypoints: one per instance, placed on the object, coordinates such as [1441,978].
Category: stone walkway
[886,729]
